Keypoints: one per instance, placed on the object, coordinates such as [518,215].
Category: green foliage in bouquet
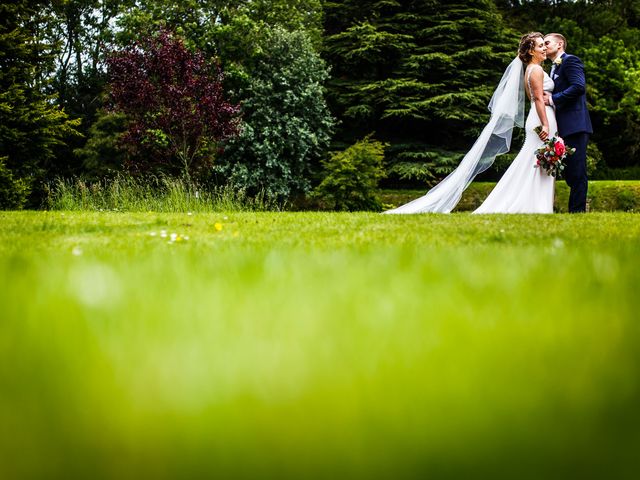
[352,178]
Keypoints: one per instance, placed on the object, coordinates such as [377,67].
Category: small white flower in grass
[76,252]
[226,218]
[197,195]
[163,233]
[153,234]
[189,213]
[558,243]
[186,237]
[173,237]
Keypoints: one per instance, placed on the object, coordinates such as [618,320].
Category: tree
[237,32]
[84,30]
[31,126]
[596,18]
[222,28]
[419,74]
[287,124]
[175,102]
[614,96]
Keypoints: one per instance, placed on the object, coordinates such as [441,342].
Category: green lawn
[319,345]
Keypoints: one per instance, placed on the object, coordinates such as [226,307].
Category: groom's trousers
[575,173]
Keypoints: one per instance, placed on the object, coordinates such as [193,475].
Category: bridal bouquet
[551,155]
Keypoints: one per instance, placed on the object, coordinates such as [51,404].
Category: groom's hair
[559,37]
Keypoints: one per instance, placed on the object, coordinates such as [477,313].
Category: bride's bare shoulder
[534,72]
[534,68]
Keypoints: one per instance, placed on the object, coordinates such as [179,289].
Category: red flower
[559,148]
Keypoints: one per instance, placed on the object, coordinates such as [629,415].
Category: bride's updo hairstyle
[527,43]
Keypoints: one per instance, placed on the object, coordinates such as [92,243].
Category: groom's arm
[574,71]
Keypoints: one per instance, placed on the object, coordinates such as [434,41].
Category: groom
[574,125]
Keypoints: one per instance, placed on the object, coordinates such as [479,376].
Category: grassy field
[319,345]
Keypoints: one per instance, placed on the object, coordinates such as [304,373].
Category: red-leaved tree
[175,104]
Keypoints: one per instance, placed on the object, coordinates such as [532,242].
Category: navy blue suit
[574,125]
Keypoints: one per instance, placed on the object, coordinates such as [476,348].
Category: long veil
[507,108]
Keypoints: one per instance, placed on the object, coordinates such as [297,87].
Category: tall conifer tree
[418,73]
[30,125]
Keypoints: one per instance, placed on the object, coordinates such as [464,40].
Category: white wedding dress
[523,188]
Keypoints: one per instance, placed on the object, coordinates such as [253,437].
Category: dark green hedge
[603,196]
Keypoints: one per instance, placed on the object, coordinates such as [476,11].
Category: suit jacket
[569,97]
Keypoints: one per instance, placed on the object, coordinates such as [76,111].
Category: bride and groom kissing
[558,105]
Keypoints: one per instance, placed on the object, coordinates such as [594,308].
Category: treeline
[267,95]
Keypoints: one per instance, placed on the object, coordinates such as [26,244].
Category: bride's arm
[537,96]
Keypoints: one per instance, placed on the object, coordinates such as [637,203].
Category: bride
[523,188]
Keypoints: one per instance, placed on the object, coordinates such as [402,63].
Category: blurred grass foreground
[319,345]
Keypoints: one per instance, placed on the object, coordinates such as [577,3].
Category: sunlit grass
[315,345]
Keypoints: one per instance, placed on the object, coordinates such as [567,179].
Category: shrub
[286,122]
[594,159]
[352,176]
[13,191]
[606,173]
[102,152]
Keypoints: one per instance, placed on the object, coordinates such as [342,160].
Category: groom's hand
[546,96]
